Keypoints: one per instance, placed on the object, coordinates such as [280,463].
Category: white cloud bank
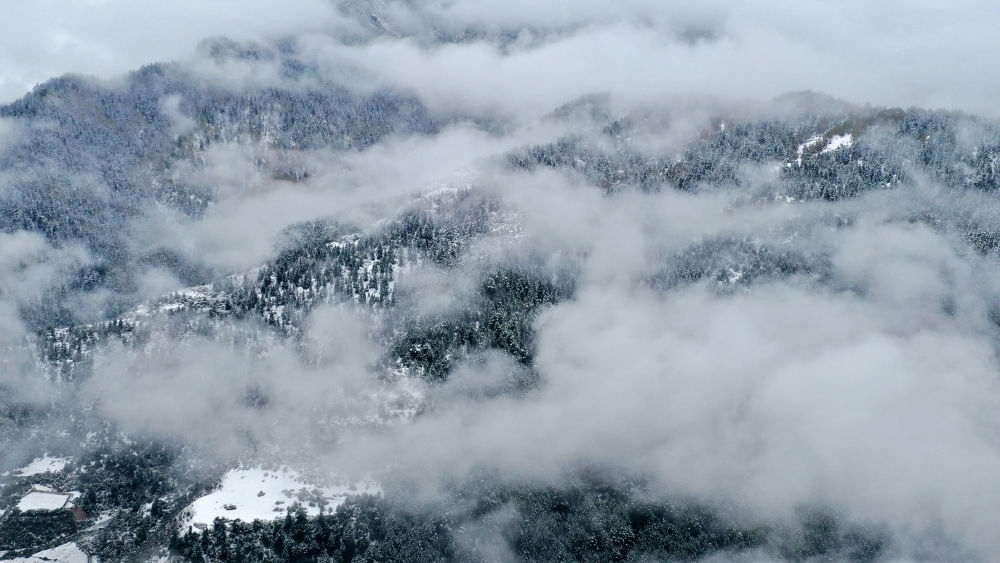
[918,53]
[106,38]
[877,399]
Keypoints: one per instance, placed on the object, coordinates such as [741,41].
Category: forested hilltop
[622,332]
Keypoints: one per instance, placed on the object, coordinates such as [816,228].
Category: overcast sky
[40,39]
[933,54]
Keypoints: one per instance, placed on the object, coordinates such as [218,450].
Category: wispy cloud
[868,385]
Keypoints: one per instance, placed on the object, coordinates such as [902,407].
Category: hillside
[621,332]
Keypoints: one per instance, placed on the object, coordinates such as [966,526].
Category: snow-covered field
[65,553]
[261,494]
[45,498]
[838,142]
[44,464]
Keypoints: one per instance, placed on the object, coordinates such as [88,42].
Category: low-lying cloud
[240,390]
[873,397]
[862,377]
[532,56]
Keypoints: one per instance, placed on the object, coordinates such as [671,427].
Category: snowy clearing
[838,142]
[262,494]
[44,464]
[65,553]
[45,498]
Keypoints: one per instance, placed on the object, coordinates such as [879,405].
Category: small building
[79,514]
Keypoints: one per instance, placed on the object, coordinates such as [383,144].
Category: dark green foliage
[432,350]
[18,421]
[126,477]
[602,169]
[686,533]
[92,157]
[844,173]
[122,538]
[442,237]
[821,536]
[28,532]
[510,298]
[363,529]
[985,165]
[985,242]
[582,521]
[592,519]
[887,145]
[186,271]
[67,351]
[726,263]
[140,488]
[718,160]
[318,264]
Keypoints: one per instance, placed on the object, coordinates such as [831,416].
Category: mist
[874,397]
[923,55]
[865,386]
[534,240]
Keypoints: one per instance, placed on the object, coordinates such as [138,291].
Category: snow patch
[171,307]
[255,493]
[46,498]
[44,464]
[197,292]
[65,553]
[838,142]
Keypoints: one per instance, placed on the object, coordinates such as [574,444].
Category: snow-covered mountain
[255,308]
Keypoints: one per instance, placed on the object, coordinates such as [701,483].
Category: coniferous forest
[263,304]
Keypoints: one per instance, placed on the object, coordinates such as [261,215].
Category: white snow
[802,148]
[65,553]
[196,292]
[45,498]
[838,142]
[44,464]
[260,494]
